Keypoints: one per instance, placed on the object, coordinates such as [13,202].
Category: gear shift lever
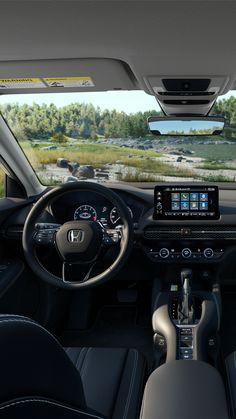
[185,308]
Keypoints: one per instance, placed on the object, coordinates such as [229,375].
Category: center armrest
[185,390]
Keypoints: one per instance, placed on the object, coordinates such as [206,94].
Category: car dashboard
[94,207]
[209,245]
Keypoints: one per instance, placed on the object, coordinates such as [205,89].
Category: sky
[127,101]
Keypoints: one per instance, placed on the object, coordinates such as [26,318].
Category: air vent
[190,232]
[13,232]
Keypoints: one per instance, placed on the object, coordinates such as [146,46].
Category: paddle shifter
[185,306]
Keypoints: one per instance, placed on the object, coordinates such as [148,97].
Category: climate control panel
[177,254]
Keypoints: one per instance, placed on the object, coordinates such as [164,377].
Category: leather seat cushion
[112,379]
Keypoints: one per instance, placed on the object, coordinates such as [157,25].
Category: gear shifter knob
[186,274]
[185,309]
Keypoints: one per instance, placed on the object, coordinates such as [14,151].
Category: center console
[186,242]
[185,390]
[186,320]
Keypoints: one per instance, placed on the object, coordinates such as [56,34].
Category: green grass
[214,166]
[130,176]
[2,183]
[217,178]
[224,152]
[147,168]
[98,155]
[91,154]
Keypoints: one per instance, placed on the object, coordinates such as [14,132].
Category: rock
[50,147]
[103,175]
[71,179]
[86,172]
[72,166]
[62,163]
[176,153]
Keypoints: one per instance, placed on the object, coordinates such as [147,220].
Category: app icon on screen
[194,205]
[185,206]
[175,196]
[184,196]
[194,196]
[175,206]
[203,205]
[203,196]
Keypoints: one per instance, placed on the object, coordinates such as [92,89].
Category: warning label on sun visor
[69,81]
[26,83]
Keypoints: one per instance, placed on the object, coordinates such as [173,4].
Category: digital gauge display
[104,214]
[114,216]
[85,212]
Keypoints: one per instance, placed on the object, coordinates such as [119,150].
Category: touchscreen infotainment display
[181,202]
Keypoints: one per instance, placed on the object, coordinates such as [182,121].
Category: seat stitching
[81,366]
[49,402]
[131,384]
[230,384]
[120,379]
[78,361]
[85,363]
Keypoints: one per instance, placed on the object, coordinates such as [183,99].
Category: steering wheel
[77,242]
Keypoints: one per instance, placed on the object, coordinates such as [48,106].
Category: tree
[58,137]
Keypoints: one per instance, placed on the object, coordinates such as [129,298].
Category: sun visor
[73,75]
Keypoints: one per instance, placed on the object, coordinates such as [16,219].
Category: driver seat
[42,380]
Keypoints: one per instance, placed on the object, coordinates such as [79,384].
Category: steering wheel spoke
[86,272]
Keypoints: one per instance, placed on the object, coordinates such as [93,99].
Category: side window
[2,182]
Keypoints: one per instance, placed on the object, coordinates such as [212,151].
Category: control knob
[164,253]
[186,253]
[208,253]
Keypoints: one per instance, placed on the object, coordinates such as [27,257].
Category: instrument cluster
[105,213]
[94,207]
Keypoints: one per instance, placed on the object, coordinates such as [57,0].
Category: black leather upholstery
[38,408]
[112,379]
[40,381]
[231,375]
[185,390]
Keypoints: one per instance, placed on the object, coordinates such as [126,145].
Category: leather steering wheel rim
[29,245]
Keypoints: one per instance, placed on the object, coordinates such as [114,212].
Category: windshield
[105,137]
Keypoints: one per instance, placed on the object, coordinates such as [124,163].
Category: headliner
[154,38]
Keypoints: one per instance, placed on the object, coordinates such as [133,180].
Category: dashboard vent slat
[194,232]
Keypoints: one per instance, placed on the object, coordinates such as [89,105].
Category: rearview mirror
[181,126]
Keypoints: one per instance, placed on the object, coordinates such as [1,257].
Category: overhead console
[186,95]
